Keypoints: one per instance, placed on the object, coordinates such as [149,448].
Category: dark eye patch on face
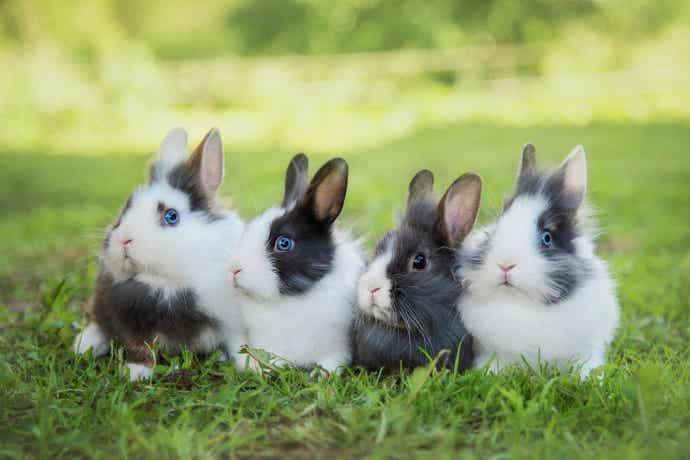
[311,257]
[183,178]
[562,227]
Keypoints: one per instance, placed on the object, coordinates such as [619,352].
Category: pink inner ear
[461,207]
[212,163]
[576,171]
[575,167]
[328,199]
[459,217]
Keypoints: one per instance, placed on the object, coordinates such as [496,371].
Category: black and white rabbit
[297,275]
[409,294]
[537,291]
[162,274]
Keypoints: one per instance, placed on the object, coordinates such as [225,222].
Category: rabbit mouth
[130,265]
[384,316]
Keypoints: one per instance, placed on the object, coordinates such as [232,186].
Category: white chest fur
[508,328]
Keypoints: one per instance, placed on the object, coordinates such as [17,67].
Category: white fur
[379,304]
[512,323]
[91,338]
[139,372]
[307,329]
[172,151]
[189,255]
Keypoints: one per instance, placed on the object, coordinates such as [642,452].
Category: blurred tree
[178,29]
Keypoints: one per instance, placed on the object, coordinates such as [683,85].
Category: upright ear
[326,194]
[172,151]
[207,160]
[421,187]
[574,170]
[296,180]
[459,207]
[528,162]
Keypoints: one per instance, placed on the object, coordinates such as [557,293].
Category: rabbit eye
[546,239]
[284,244]
[419,262]
[171,217]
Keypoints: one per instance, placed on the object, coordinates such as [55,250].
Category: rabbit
[537,292]
[161,276]
[409,293]
[296,275]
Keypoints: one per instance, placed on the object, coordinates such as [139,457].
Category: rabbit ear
[574,170]
[172,152]
[207,161]
[459,207]
[173,148]
[296,179]
[421,187]
[528,162]
[326,194]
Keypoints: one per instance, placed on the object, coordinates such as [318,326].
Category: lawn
[52,404]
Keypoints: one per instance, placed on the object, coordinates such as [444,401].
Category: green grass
[53,404]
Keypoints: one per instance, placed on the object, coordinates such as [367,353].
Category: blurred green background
[107,76]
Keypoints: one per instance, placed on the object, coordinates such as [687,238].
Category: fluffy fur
[166,283]
[547,303]
[298,304]
[407,310]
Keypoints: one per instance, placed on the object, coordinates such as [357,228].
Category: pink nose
[127,242]
[375,290]
[236,271]
[507,268]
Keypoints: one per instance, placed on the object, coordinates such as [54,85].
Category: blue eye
[171,217]
[284,244]
[546,239]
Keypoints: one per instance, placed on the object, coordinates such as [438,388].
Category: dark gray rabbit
[409,294]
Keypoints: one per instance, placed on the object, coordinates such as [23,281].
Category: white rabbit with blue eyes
[295,275]
[162,277]
[537,292]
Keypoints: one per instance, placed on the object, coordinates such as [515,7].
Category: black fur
[296,179]
[560,218]
[424,302]
[182,177]
[133,311]
[313,253]
[308,223]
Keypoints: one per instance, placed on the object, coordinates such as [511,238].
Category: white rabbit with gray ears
[297,275]
[162,273]
[537,291]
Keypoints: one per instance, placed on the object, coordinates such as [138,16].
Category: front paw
[91,338]
[139,372]
[330,365]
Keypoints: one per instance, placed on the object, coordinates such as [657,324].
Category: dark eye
[284,244]
[419,262]
[171,217]
[546,239]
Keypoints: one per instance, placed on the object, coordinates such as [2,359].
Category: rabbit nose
[375,290]
[506,268]
[235,272]
[128,242]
